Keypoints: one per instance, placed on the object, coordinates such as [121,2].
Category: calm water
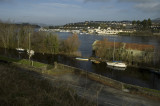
[136,76]
[87,41]
[141,77]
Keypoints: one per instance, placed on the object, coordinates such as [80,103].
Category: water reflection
[117,68]
[136,76]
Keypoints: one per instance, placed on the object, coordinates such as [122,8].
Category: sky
[60,12]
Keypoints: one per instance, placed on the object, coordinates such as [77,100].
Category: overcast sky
[58,12]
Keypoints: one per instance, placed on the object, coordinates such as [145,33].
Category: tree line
[14,36]
[142,25]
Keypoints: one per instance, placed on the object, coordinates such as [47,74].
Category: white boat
[117,68]
[20,49]
[116,63]
[83,59]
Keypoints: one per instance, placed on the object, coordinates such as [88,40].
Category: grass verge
[21,87]
[23,61]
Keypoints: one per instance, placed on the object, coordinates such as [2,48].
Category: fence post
[55,65]
[122,86]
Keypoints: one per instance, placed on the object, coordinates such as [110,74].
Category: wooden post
[114,50]
[29,44]
[32,63]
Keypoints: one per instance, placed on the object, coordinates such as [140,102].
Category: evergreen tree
[149,22]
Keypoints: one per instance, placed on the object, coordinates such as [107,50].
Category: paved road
[101,94]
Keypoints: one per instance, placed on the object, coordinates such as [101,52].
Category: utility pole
[114,49]
[30,52]
[29,44]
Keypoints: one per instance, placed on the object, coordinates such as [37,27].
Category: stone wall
[113,83]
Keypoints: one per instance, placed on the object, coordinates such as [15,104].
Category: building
[133,49]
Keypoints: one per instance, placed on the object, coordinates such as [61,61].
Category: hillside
[157,20]
[21,87]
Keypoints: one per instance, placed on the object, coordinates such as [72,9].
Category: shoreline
[73,56]
[84,87]
[135,66]
[50,69]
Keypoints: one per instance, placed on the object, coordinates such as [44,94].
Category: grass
[8,59]
[22,61]
[21,87]
[35,64]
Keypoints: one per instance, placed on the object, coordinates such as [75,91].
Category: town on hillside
[149,26]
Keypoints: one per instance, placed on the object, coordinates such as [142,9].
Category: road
[101,94]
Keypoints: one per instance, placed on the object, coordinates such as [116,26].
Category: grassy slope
[22,61]
[22,87]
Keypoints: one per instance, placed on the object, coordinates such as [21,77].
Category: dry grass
[20,87]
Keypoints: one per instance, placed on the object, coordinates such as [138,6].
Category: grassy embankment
[23,87]
[22,61]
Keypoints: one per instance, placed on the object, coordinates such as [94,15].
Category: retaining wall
[108,81]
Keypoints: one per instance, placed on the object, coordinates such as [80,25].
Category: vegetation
[22,61]
[70,45]
[13,36]
[45,42]
[85,24]
[104,50]
[20,87]
[142,25]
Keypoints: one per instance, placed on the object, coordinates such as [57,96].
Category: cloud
[5,0]
[148,7]
[96,0]
[137,1]
[134,1]
[60,5]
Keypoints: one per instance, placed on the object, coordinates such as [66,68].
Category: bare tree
[71,44]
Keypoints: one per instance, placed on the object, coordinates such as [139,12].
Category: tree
[37,42]
[52,43]
[149,22]
[71,44]
[21,36]
[138,23]
[134,22]
[144,24]
[7,35]
[101,50]
[3,34]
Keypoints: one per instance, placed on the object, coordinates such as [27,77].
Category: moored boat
[95,61]
[116,64]
[117,68]
[20,49]
[82,59]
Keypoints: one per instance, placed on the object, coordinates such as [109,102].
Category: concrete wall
[108,81]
